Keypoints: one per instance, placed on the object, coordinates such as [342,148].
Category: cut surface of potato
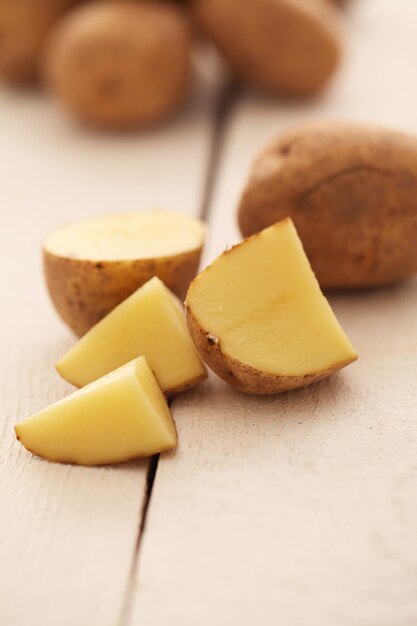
[121,416]
[93,265]
[259,319]
[150,323]
[127,236]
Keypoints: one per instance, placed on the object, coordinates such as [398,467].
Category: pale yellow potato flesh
[121,416]
[150,323]
[127,236]
[259,319]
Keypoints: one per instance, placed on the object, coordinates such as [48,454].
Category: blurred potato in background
[119,64]
[127,63]
[24,25]
[288,47]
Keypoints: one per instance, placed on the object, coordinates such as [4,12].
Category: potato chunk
[151,323]
[118,417]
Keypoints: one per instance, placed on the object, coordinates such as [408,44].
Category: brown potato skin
[120,63]
[241,376]
[351,190]
[24,27]
[83,292]
[269,43]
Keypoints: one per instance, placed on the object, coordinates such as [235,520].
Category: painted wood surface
[300,509]
[68,534]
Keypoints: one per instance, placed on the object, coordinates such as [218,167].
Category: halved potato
[93,265]
[151,323]
[259,319]
[121,416]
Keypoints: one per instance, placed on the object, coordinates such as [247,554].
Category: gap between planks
[228,97]
[150,480]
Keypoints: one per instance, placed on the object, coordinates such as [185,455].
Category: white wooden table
[295,510]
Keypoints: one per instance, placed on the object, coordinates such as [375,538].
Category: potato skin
[24,26]
[120,63]
[83,292]
[269,43]
[351,190]
[241,376]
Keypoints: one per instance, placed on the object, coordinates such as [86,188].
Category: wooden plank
[68,534]
[301,509]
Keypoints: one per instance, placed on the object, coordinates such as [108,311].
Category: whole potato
[120,63]
[24,25]
[286,46]
[351,190]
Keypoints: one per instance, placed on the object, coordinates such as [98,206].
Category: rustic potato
[93,265]
[120,64]
[258,317]
[286,46]
[24,26]
[351,190]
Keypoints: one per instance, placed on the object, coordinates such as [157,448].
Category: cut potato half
[259,319]
[93,265]
[151,323]
[121,416]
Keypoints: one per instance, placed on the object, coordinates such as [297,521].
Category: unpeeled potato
[93,265]
[351,190]
[24,26]
[120,63]
[290,47]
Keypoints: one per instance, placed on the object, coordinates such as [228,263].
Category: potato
[119,417]
[93,265]
[290,47]
[24,26]
[120,64]
[150,323]
[351,190]
[258,317]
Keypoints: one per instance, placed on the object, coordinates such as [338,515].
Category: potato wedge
[93,265]
[259,319]
[151,323]
[121,416]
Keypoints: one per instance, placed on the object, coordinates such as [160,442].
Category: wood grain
[68,534]
[300,509]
